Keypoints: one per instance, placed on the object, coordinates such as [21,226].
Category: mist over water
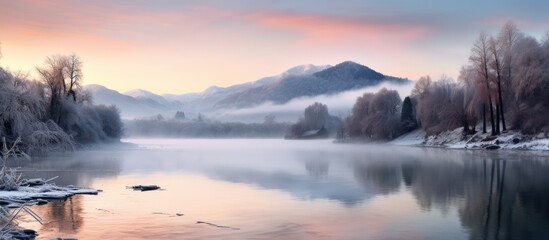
[276,189]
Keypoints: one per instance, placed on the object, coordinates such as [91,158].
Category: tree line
[504,86]
[203,127]
[315,118]
[53,112]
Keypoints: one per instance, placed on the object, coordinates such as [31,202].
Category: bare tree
[471,106]
[508,37]
[495,50]
[73,72]
[422,86]
[63,76]
[375,116]
[480,58]
[315,116]
[52,74]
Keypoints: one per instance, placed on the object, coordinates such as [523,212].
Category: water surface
[276,189]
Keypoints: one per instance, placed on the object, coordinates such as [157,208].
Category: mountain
[209,99]
[131,107]
[301,81]
[218,93]
[153,99]
[342,77]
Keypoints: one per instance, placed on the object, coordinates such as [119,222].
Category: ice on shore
[455,139]
[30,195]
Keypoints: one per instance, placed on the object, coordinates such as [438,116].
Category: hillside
[342,77]
[301,81]
[130,107]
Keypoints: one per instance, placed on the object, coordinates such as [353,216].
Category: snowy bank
[455,139]
[14,199]
[31,195]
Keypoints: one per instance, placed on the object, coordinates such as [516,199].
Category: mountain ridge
[300,81]
[344,76]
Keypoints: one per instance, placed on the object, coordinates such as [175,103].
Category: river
[277,189]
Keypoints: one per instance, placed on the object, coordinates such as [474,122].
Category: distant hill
[342,77]
[131,107]
[301,81]
[209,99]
[153,99]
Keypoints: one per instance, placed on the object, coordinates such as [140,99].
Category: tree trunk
[497,119]
[73,94]
[501,106]
[492,115]
[484,118]
[500,96]
[465,124]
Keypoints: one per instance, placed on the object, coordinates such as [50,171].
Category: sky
[169,46]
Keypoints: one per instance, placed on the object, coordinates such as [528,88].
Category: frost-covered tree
[480,60]
[315,117]
[73,112]
[443,107]
[419,92]
[375,116]
[531,85]
[508,37]
[22,113]
[52,74]
[509,73]
[472,102]
[63,76]
[496,66]
[73,73]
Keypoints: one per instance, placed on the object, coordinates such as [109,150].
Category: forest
[503,87]
[53,113]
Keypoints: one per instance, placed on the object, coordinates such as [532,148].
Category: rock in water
[145,187]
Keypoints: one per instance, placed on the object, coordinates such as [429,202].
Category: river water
[277,189]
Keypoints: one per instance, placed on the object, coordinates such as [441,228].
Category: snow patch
[32,195]
[456,140]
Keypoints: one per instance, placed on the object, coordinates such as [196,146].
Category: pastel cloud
[335,29]
[190,45]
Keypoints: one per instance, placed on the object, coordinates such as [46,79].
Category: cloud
[325,29]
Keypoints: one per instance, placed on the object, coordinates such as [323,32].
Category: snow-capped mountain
[301,81]
[342,77]
[215,93]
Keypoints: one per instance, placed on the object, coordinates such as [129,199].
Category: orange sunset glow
[175,47]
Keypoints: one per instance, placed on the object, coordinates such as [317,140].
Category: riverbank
[455,140]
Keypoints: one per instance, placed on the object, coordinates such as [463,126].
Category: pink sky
[170,47]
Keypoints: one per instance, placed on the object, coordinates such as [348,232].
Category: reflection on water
[296,189]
